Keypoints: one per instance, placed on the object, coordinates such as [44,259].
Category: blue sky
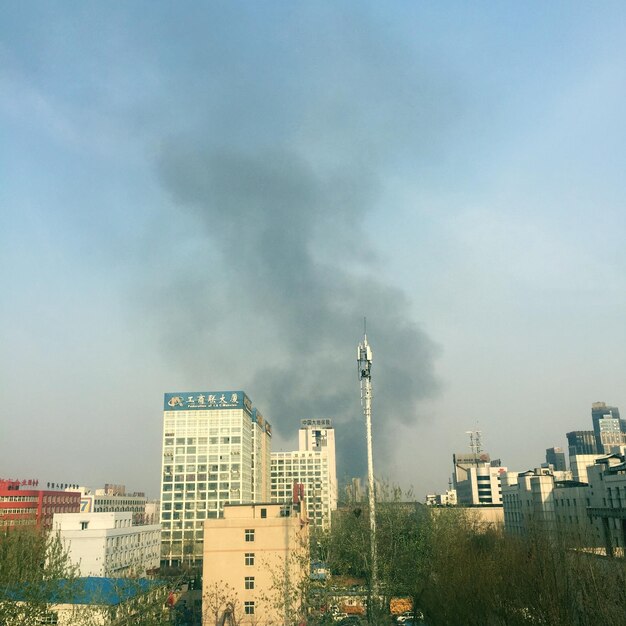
[213,195]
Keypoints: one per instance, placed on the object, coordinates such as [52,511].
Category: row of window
[18,498]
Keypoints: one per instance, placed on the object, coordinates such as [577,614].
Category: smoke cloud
[282,282]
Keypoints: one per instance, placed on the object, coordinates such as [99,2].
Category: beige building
[256,561]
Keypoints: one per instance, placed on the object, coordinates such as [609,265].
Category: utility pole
[364,362]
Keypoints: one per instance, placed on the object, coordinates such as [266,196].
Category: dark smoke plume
[279,286]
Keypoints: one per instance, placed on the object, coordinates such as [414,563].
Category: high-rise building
[216,449]
[607,428]
[314,466]
[556,458]
[581,442]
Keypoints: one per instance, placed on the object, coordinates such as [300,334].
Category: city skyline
[214,198]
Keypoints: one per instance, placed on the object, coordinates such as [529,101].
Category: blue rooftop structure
[92,590]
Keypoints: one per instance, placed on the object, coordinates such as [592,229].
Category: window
[264,513]
[248,607]
[84,525]
[249,534]
[249,582]
[249,558]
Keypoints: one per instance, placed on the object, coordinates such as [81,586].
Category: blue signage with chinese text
[207,400]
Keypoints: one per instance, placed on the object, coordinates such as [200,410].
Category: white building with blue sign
[216,451]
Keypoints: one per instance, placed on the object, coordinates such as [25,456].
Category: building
[581,442]
[318,435]
[21,505]
[312,465]
[590,516]
[448,498]
[216,450]
[476,479]
[90,601]
[579,463]
[556,458]
[606,499]
[537,500]
[153,512]
[607,428]
[107,544]
[463,461]
[113,499]
[256,561]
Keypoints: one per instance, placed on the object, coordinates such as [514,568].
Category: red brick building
[22,505]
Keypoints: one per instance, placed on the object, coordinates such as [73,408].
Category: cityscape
[313,314]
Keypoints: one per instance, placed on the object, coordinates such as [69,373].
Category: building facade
[607,428]
[256,561]
[476,479]
[556,457]
[581,442]
[113,499]
[21,506]
[312,465]
[107,544]
[216,451]
[590,516]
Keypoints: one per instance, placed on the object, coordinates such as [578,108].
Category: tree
[36,575]
[220,605]
[31,561]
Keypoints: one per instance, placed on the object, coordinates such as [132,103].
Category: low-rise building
[606,499]
[107,544]
[447,498]
[579,463]
[91,601]
[113,499]
[21,506]
[256,560]
[586,515]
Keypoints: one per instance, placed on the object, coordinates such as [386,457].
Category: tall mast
[364,362]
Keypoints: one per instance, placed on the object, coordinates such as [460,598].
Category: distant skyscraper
[216,450]
[607,427]
[556,458]
[581,442]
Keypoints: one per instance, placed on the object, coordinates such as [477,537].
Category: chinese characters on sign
[30,482]
[207,400]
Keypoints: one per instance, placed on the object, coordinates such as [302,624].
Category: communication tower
[364,362]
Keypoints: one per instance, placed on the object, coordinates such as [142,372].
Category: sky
[208,196]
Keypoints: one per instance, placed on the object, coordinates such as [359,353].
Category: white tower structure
[364,362]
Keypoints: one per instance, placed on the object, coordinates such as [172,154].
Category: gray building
[556,458]
[607,428]
[581,442]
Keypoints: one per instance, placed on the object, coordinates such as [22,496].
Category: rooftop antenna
[364,363]
[475,441]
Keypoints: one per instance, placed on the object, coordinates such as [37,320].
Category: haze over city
[213,196]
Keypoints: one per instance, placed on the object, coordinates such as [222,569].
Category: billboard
[207,401]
